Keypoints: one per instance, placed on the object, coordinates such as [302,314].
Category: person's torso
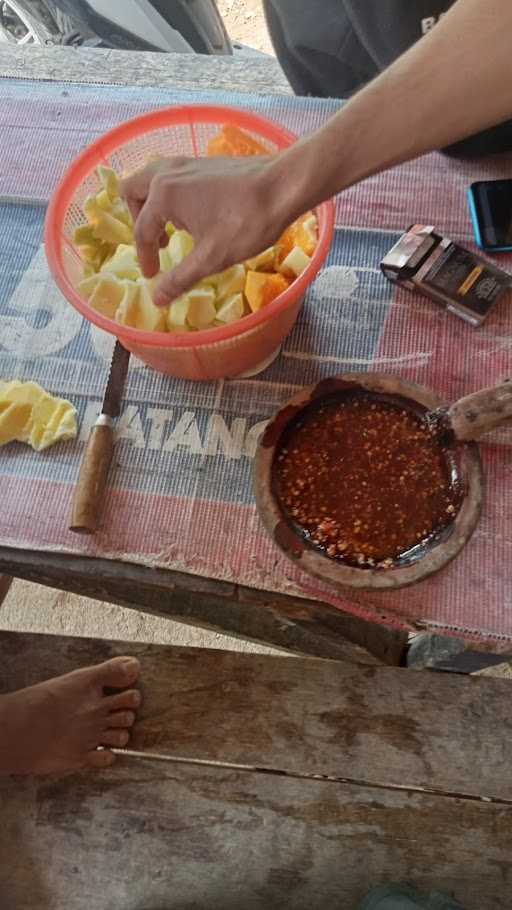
[386,28]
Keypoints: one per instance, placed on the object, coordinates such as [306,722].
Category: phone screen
[492,201]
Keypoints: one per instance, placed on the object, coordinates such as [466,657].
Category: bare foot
[58,725]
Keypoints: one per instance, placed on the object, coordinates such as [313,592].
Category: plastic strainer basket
[242,347]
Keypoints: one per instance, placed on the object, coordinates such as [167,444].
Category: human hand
[231,206]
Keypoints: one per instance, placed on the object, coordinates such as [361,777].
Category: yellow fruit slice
[29,414]
[264,262]
[295,263]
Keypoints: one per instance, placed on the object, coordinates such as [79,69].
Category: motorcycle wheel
[26,22]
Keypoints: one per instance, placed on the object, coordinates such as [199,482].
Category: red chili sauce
[366,480]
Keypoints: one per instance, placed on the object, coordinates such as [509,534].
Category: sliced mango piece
[111,230]
[177,315]
[166,263]
[232,281]
[104,201]
[264,262]
[109,180]
[295,262]
[138,310]
[126,312]
[232,309]
[261,288]
[29,414]
[13,421]
[151,318]
[307,234]
[121,211]
[201,307]
[236,143]
[90,252]
[180,245]
[92,210]
[303,233]
[88,285]
[84,235]
[124,263]
[107,295]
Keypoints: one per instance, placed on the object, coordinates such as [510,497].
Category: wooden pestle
[472,416]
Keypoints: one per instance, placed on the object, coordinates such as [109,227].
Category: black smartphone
[490,204]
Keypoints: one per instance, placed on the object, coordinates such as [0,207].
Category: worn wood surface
[380,725]
[156,836]
[303,626]
[179,71]
[5,584]
[161,835]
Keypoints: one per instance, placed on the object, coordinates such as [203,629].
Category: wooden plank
[377,725]
[154,835]
[294,623]
[180,71]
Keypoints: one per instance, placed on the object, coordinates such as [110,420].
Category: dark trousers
[332,48]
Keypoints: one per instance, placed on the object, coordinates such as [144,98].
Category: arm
[452,83]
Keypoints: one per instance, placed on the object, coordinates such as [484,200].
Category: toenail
[124,739]
[136,699]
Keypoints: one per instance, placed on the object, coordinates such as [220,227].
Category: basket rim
[99,151]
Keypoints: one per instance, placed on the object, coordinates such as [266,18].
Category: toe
[100,759]
[119,738]
[121,719]
[130,699]
[117,673]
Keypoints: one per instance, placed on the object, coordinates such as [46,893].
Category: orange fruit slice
[303,233]
[261,288]
[235,143]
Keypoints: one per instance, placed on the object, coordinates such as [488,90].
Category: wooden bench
[265,783]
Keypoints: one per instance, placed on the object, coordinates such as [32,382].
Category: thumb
[198,264]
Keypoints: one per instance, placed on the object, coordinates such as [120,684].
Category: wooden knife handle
[481,412]
[89,493]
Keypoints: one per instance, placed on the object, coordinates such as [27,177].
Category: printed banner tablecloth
[181,490]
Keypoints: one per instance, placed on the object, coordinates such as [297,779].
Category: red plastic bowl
[220,352]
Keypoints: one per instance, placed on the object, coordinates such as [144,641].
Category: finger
[120,719]
[148,230]
[117,738]
[100,759]
[130,699]
[195,266]
[135,207]
[137,186]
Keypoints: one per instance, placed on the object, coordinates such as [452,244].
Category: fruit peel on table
[29,414]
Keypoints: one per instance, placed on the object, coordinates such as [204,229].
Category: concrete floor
[31,608]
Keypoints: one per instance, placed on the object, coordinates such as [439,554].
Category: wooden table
[288,622]
[300,625]
[266,782]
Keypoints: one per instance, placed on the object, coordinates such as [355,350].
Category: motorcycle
[168,26]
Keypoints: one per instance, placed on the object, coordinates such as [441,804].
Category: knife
[88,498]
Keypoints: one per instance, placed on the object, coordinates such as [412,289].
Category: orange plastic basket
[221,352]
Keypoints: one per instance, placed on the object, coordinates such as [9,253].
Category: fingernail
[160,300]
[131,663]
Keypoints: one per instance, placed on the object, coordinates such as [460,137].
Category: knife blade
[88,497]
